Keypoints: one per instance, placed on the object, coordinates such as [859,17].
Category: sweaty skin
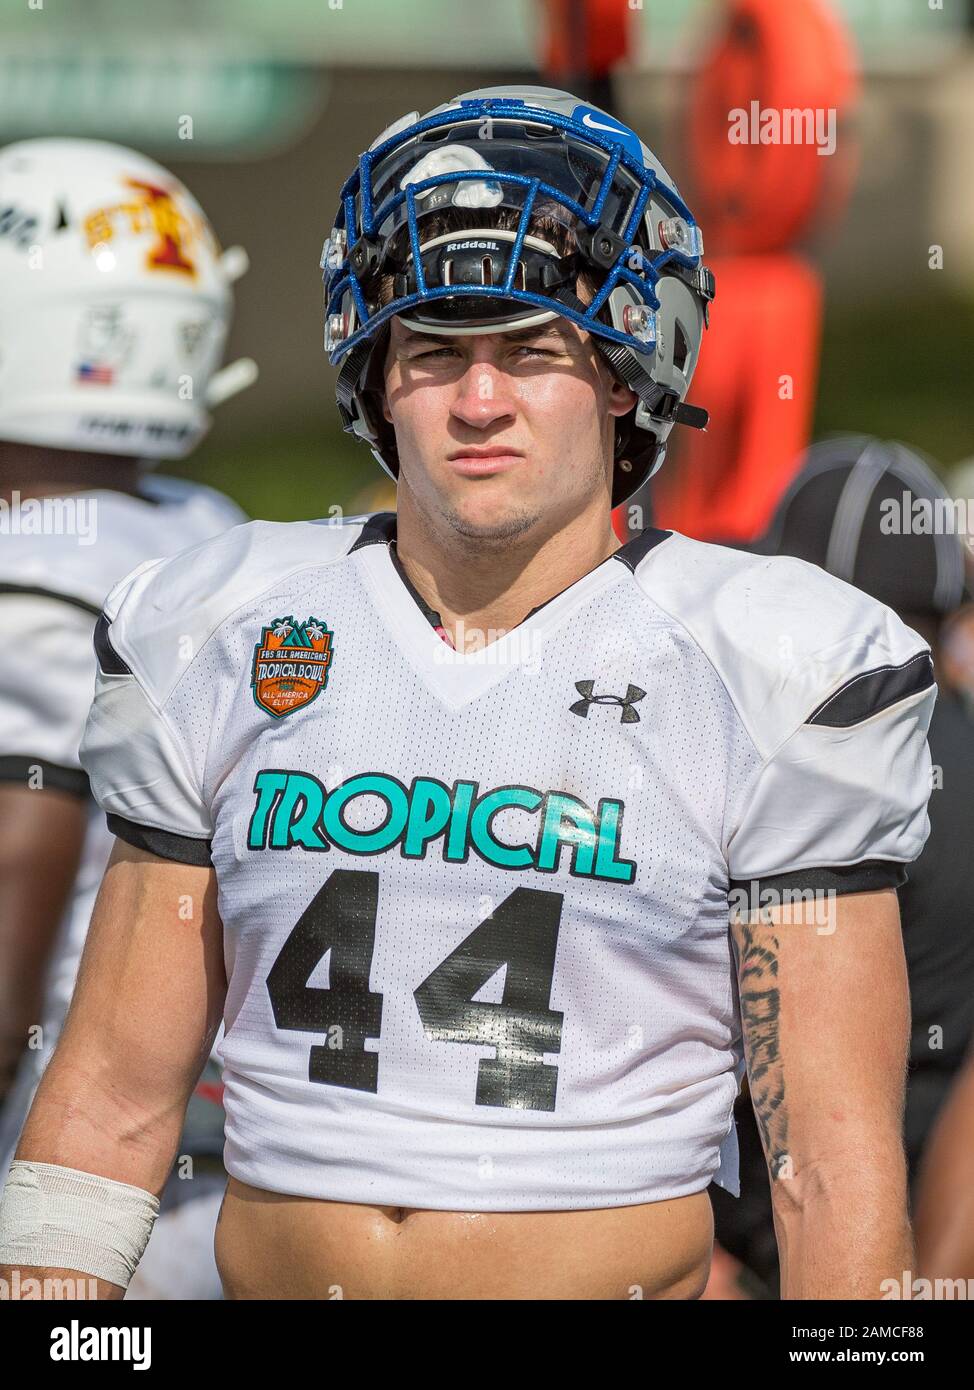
[270,1246]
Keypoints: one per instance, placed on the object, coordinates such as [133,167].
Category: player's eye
[538,351]
[434,352]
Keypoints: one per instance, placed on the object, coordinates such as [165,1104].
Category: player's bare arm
[945,1197]
[825,1018]
[39,854]
[145,1011]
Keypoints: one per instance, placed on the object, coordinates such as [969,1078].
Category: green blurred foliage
[289,474]
[901,371]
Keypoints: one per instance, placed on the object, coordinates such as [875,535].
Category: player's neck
[489,588]
[34,471]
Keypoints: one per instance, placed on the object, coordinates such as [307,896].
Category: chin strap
[638,452]
[349,376]
[665,405]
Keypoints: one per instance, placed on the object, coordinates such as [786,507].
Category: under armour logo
[585,688]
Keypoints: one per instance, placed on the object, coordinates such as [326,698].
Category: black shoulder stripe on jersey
[183,848]
[867,877]
[872,691]
[639,547]
[38,591]
[108,658]
[380,529]
[16,767]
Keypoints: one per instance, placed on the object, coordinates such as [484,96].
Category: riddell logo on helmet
[474,246]
[153,209]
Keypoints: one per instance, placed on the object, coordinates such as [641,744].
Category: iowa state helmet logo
[291,663]
[161,212]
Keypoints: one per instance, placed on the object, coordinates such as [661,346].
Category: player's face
[500,432]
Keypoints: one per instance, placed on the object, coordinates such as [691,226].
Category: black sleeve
[868,877]
[182,848]
[18,767]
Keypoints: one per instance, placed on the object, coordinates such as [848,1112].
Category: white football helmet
[115,301]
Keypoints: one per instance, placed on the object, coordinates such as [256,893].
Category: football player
[465,796]
[116,303]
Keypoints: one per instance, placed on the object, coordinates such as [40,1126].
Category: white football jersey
[475,906]
[58,561]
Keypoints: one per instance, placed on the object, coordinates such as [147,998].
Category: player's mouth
[480,463]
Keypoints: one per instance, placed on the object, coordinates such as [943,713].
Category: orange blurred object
[770,59]
[584,37]
[757,376]
[758,370]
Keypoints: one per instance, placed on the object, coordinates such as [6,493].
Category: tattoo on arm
[760,1017]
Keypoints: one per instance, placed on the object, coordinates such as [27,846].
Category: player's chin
[492,512]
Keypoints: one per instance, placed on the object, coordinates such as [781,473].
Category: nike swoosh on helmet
[597,125]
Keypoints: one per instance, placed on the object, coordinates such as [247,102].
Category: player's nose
[483,395]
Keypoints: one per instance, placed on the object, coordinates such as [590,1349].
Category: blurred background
[852,275]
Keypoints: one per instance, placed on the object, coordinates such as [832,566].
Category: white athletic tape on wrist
[62,1218]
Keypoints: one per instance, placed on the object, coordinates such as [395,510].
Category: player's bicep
[152,984]
[825,1022]
[40,850]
